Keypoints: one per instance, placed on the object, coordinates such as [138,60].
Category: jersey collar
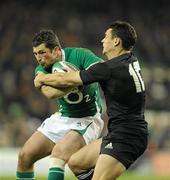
[63,55]
[122,57]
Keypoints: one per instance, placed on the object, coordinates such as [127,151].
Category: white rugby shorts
[56,126]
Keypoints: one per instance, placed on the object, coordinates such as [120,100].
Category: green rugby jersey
[82,101]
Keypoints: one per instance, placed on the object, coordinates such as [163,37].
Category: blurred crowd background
[79,24]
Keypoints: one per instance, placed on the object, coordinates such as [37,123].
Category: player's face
[109,42]
[44,55]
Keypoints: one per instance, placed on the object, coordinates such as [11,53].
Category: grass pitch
[127,176]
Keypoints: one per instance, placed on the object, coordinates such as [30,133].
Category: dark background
[78,24]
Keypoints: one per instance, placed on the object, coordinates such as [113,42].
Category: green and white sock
[56,174]
[25,175]
[56,170]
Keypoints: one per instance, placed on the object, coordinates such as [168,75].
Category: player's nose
[102,41]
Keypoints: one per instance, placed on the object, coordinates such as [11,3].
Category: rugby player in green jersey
[78,121]
[121,80]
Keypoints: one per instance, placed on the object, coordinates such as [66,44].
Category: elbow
[45,90]
[54,96]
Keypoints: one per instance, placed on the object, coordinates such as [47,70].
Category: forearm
[52,80]
[53,93]
[71,79]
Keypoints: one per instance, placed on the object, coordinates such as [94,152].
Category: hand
[37,81]
[40,74]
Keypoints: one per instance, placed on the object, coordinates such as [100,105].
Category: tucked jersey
[121,81]
[82,101]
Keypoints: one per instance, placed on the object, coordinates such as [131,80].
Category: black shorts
[126,150]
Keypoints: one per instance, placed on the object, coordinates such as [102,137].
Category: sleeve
[87,58]
[40,68]
[96,73]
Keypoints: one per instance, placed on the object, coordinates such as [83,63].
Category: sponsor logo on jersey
[109,146]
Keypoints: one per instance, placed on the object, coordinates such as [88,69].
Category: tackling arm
[58,80]
[48,91]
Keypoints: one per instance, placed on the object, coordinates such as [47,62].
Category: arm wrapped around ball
[64,74]
[53,93]
[47,90]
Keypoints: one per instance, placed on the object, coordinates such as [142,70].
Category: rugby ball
[63,66]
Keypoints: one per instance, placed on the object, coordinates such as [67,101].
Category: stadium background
[81,23]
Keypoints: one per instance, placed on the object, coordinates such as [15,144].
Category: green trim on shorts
[82,131]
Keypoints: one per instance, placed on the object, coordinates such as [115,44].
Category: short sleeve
[96,73]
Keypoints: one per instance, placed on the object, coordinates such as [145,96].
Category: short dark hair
[125,32]
[48,37]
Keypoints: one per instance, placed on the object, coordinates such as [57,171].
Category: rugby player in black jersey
[121,81]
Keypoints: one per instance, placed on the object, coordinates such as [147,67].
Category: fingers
[37,83]
[40,73]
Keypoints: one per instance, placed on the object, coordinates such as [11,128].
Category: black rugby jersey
[121,81]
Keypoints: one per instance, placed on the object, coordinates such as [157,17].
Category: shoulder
[119,62]
[78,50]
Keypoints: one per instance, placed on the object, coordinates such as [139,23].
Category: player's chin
[45,66]
[42,64]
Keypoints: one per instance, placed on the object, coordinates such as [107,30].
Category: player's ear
[116,41]
[57,50]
